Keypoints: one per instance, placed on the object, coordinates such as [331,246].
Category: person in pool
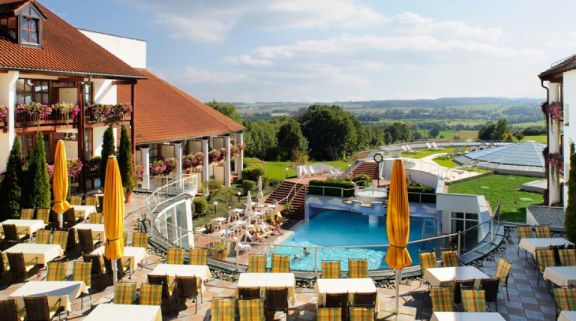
[306,251]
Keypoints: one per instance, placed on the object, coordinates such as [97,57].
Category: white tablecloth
[173,270]
[83,211]
[530,245]
[335,286]
[25,226]
[44,252]
[436,276]
[269,280]
[134,254]
[567,316]
[125,312]
[67,291]
[97,230]
[467,316]
[562,276]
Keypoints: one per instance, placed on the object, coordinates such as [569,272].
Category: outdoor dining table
[134,255]
[97,230]
[125,312]
[43,252]
[337,286]
[530,244]
[563,276]
[567,316]
[83,211]
[269,281]
[467,316]
[437,276]
[28,227]
[173,270]
[66,291]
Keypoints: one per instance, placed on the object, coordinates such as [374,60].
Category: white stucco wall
[7,98]
[98,139]
[105,92]
[569,88]
[131,51]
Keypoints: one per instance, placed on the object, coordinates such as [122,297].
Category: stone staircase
[369,168]
[293,193]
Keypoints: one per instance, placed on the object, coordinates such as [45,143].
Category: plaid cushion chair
[280,263]
[330,269]
[95,218]
[56,271]
[473,300]
[257,263]
[543,231]
[361,314]
[450,258]
[357,268]
[565,299]
[75,200]
[329,314]
[139,239]
[150,294]
[60,238]
[567,257]
[43,237]
[503,272]
[251,310]
[124,292]
[81,271]
[92,201]
[222,309]
[43,214]
[175,255]
[198,256]
[544,259]
[442,299]
[38,308]
[427,260]
[26,213]
[524,231]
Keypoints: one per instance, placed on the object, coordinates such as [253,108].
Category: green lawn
[277,170]
[540,139]
[426,152]
[503,189]
[445,161]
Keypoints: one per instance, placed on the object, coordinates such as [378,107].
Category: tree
[37,190]
[495,131]
[126,161]
[486,131]
[434,132]
[107,150]
[10,188]
[260,140]
[226,109]
[291,141]
[570,221]
[398,132]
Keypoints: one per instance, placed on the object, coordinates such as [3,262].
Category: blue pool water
[329,228]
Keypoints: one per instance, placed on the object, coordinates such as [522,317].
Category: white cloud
[195,76]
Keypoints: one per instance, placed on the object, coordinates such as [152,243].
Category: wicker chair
[87,244]
[330,269]
[198,256]
[11,235]
[249,293]
[38,309]
[458,285]
[175,255]
[43,237]
[251,310]
[329,314]
[544,259]
[543,231]
[81,271]
[276,300]
[19,268]
[189,287]
[257,263]
[140,239]
[26,213]
[150,294]
[473,300]
[44,215]
[95,218]
[56,271]
[169,290]
[567,257]
[124,293]
[338,300]
[9,310]
[223,309]
[69,218]
[503,272]
[449,258]
[75,200]
[361,314]
[364,299]
[491,286]
[357,268]
[442,299]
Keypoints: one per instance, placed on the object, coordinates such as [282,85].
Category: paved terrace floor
[529,301]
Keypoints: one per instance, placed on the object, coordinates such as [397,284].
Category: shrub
[37,189]
[248,185]
[273,182]
[253,172]
[170,164]
[251,161]
[10,187]
[107,150]
[200,206]
[126,161]
[364,179]
[214,185]
[570,222]
[412,188]
[338,188]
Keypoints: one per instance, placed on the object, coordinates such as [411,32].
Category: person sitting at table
[252,237]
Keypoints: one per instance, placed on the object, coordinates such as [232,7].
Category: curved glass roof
[519,154]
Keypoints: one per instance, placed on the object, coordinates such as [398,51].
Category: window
[32,90]
[30,31]
[9,26]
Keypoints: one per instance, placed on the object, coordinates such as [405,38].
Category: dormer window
[30,31]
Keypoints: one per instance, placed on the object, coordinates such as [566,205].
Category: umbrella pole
[398,280]
[115,271]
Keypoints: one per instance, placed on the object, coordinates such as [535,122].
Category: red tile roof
[165,113]
[64,50]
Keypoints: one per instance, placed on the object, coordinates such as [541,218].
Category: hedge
[316,188]
[252,172]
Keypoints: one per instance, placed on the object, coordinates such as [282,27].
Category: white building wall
[569,90]
[98,139]
[7,98]
[105,92]
[131,51]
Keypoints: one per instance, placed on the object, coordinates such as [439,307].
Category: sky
[340,50]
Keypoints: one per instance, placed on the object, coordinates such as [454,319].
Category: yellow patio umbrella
[398,224]
[60,179]
[113,211]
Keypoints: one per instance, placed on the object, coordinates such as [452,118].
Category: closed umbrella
[260,193]
[398,225]
[113,211]
[60,179]
[248,202]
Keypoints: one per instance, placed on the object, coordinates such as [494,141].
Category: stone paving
[529,301]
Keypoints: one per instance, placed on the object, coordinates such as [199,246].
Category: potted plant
[220,250]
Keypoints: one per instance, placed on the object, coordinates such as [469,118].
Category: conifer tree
[125,160]
[37,191]
[107,150]
[10,188]
[570,222]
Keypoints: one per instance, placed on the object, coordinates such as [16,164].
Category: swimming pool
[329,228]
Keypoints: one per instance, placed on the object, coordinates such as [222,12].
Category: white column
[8,98]
[178,156]
[240,158]
[189,223]
[554,188]
[205,165]
[227,161]
[145,167]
